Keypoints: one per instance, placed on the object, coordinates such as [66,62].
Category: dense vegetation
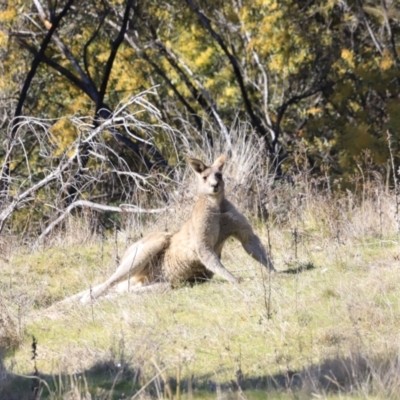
[319,76]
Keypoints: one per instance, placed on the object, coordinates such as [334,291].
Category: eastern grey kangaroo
[193,253]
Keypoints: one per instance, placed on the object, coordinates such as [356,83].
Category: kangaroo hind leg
[136,263]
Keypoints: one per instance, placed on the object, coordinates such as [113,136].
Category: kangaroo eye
[204,178]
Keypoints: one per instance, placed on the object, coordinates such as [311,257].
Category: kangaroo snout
[215,186]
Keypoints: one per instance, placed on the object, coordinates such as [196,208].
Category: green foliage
[319,76]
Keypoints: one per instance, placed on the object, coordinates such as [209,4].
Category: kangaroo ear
[197,165]
[220,162]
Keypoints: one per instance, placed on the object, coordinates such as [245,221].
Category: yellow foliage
[338,67]
[354,106]
[386,61]
[3,39]
[267,4]
[229,95]
[273,6]
[102,57]
[63,135]
[79,104]
[347,55]
[322,144]
[204,58]
[8,15]
[327,6]
[314,110]
[244,13]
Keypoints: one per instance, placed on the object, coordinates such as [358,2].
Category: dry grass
[326,326]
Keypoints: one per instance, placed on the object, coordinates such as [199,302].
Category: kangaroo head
[209,177]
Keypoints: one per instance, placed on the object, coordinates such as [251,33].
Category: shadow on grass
[356,375]
[297,270]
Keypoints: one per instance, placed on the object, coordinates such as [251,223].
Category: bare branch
[211,105]
[45,181]
[370,31]
[295,99]
[256,121]
[38,58]
[123,208]
[90,137]
[89,85]
[263,72]
[114,49]
[390,33]
[164,76]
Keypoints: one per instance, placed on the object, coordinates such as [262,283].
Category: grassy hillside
[325,326]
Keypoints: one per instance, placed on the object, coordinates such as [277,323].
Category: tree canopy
[319,75]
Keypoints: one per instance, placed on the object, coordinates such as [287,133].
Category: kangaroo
[193,253]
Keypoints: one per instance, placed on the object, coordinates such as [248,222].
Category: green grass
[333,303]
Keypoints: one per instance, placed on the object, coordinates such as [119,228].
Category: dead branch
[24,196]
[123,208]
[255,119]
[58,171]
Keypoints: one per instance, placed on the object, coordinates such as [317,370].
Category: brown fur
[193,253]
